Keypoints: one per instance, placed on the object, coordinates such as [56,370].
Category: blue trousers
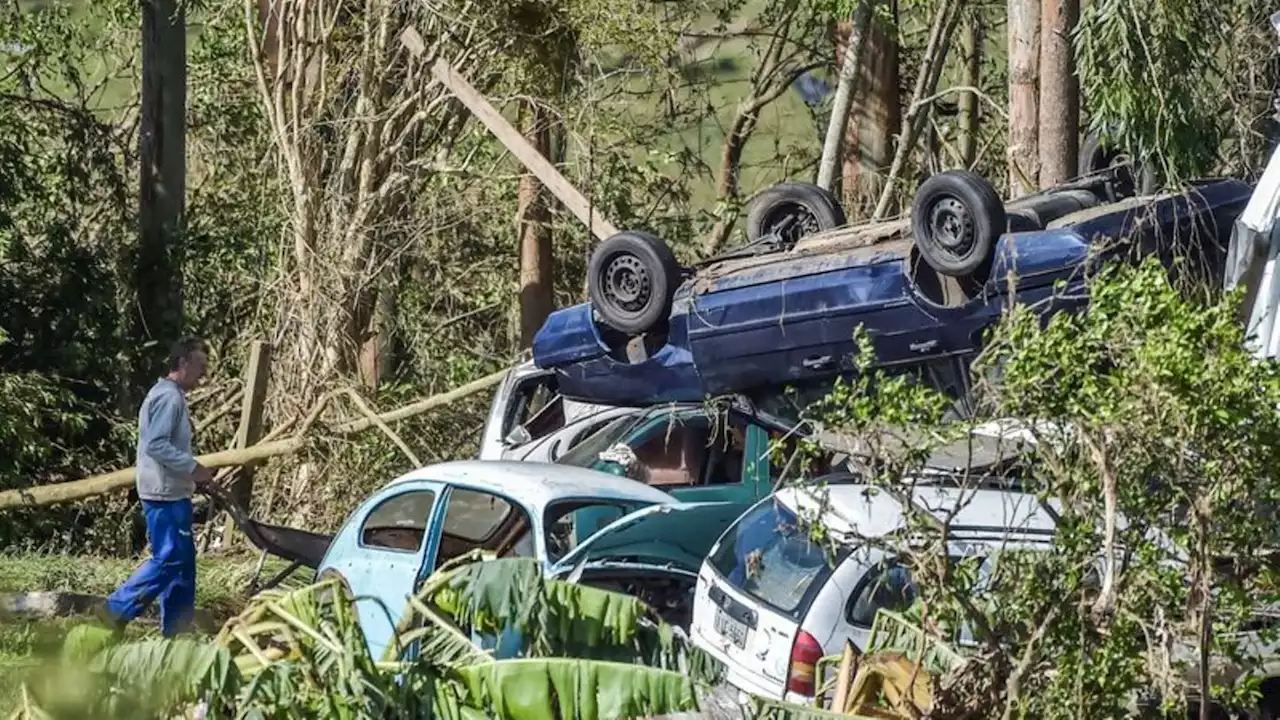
[169,574]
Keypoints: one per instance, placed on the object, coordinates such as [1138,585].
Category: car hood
[667,535]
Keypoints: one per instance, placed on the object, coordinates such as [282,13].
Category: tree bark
[1059,93]
[537,299]
[876,118]
[852,34]
[970,118]
[162,182]
[377,354]
[269,19]
[1024,75]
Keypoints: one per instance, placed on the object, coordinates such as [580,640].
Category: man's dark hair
[183,349]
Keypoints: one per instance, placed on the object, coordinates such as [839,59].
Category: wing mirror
[518,436]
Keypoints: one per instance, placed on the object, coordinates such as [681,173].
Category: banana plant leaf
[562,689]
[152,677]
[555,618]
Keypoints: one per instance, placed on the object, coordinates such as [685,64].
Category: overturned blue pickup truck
[782,310]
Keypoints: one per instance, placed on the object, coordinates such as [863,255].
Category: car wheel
[955,220]
[339,593]
[792,210]
[1096,155]
[631,279]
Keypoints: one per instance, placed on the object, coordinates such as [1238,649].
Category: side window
[399,523]
[561,448]
[886,586]
[479,520]
[536,406]
[791,459]
[474,515]
[727,454]
[566,522]
[673,453]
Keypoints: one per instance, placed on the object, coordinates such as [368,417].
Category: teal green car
[695,452]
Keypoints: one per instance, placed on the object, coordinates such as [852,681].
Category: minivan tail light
[805,653]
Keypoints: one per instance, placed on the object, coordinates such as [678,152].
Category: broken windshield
[586,453]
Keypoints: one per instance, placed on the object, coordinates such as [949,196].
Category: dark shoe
[107,618]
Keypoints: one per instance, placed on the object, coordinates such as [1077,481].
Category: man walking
[168,474]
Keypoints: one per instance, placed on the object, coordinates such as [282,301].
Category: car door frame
[357,571]
[436,530]
[503,407]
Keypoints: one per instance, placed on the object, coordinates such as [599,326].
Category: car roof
[861,510]
[979,450]
[535,484]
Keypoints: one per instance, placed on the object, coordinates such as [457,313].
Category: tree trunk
[162,182]
[945,19]
[851,34]
[536,277]
[876,118]
[1024,71]
[1059,93]
[377,354]
[269,20]
[969,109]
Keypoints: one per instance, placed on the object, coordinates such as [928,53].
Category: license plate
[730,628]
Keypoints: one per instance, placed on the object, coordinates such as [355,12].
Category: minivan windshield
[767,555]
[586,453]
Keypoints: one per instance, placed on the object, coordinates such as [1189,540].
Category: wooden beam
[257,376]
[98,484]
[551,178]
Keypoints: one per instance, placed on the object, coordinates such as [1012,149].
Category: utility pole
[157,272]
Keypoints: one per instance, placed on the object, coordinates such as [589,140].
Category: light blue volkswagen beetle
[593,527]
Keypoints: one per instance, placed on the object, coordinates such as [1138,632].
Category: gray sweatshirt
[165,462]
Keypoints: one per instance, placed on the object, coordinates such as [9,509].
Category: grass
[221,583]
[220,579]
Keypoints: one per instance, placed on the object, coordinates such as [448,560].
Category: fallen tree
[54,494]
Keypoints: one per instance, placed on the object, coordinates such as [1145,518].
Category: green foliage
[1135,63]
[550,688]
[558,619]
[300,654]
[151,677]
[68,199]
[1149,395]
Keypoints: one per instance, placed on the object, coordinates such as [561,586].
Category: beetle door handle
[816,362]
[924,346]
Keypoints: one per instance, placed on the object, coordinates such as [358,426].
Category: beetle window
[400,522]
[474,515]
[478,520]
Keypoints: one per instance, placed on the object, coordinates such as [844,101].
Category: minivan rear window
[767,555]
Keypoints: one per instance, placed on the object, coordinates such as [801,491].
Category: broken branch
[98,484]
[386,429]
